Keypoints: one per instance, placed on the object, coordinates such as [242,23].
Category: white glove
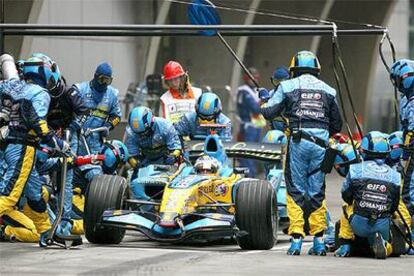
[4,132]
[61,146]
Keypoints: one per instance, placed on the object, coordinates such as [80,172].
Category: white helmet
[207,165]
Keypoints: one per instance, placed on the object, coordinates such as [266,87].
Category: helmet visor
[174,82]
[203,119]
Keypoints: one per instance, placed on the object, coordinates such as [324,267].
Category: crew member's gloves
[105,131]
[264,95]
[4,132]
[133,162]
[409,141]
[59,145]
[173,157]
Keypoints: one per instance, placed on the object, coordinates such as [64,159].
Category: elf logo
[311,96]
[377,187]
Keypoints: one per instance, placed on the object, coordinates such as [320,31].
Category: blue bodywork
[276,178]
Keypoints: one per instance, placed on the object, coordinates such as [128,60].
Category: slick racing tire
[105,192]
[256,215]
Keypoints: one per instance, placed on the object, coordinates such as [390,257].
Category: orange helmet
[173,70]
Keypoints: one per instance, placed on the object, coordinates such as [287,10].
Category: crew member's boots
[295,246]
[318,247]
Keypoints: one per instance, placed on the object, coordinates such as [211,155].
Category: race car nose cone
[168,220]
[168,224]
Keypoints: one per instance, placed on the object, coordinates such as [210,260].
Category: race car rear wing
[247,150]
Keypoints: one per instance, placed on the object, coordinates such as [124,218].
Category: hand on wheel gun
[60,146]
[103,130]
[173,157]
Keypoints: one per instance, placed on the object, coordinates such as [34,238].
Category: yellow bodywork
[178,201]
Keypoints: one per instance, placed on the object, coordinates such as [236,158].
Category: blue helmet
[42,70]
[405,79]
[141,120]
[395,69]
[345,157]
[375,145]
[116,154]
[396,141]
[275,137]
[208,106]
[305,62]
[281,73]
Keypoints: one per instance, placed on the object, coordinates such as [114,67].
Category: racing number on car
[218,190]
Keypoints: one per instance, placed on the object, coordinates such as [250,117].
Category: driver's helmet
[207,165]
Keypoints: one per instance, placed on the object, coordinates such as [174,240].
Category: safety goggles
[104,80]
[202,119]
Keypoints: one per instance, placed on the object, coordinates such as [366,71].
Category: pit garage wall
[209,63]
[78,57]
[16,12]
[379,107]
[206,59]
[360,54]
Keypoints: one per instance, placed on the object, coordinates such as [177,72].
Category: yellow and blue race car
[191,201]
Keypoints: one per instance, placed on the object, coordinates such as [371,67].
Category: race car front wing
[217,225]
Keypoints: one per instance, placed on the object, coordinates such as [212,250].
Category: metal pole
[164,27]
[172,32]
[1,29]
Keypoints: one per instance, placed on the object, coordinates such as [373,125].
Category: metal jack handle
[49,239]
[85,143]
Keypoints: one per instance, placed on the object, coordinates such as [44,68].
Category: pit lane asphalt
[138,256]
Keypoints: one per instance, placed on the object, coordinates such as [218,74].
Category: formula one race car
[189,203]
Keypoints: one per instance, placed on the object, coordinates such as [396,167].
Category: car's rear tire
[104,192]
[256,215]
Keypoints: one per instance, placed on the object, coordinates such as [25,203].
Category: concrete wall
[16,12]
[78,57]
[380,108]
[360,53]
[206,59]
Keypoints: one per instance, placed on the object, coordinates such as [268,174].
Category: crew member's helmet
[375,145]
[42,70]
[208,107]
[304,62]
[141,120]
[116,154]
